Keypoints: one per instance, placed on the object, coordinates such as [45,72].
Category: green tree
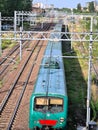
[7,7]
[79,8]
[91,7]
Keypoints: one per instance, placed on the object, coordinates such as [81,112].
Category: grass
[77,77]
[76,86]
[1,83]
[76,71]
[8,44]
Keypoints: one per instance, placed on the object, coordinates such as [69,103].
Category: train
[49,100]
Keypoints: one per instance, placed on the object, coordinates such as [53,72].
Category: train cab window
[50,104]
[40,104]
[52,63]
[56,104]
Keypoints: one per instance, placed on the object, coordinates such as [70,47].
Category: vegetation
[7,7]
[77,77]
[1,83]
[94,106]
[80,9]
[76,86]
[91,7]
[8,44]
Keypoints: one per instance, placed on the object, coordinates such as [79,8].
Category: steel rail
[14,84]
[11,60]
[12,51]
[8,55]
[23,90]
[12,88]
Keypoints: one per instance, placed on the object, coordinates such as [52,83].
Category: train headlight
[36,122]
[61,119]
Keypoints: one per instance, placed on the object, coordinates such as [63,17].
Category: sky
[64,3]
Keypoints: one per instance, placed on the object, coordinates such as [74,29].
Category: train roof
[51,77]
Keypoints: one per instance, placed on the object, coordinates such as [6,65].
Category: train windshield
[48,104]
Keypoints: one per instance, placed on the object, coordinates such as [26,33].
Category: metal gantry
[21,16]
[31,35]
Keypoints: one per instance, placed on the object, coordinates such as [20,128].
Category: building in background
[95,5]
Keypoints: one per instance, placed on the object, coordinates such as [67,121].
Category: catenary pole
[20,44]
[89,75]
[15,20]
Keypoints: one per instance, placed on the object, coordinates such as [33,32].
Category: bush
[7,44]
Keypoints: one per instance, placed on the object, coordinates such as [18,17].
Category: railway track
[12,55]
[17,91]
[11,59]
[10,104]
[7,67]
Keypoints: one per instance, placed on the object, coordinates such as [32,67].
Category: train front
[48,112]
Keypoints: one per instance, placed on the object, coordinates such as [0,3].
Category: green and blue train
[49,100]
